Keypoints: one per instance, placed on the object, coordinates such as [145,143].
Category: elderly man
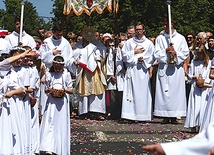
[201,38]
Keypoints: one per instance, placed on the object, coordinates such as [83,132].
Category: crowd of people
[127,78]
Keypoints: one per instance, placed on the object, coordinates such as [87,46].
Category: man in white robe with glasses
[137,55]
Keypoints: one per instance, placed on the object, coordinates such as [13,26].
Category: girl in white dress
[8,88]
[55,125]
[208,116]
[21,111]
[198,71]
[10,110]
[34,102]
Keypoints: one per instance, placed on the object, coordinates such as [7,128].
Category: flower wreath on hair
[57,62]
[17,48]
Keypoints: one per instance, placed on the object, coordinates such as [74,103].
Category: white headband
[17,48]
[57,62]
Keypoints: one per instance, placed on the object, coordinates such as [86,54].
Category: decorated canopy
[87,6]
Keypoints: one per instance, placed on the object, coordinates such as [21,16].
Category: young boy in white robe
[55,125]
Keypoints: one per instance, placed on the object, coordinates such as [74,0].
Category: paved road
[110,137]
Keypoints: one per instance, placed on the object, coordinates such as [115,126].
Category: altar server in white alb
[14,38]
[56,45]
[138,57]
[170,100]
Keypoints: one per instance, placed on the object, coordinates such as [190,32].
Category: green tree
[192,16]
[2,14]
[31,18]
[189,16]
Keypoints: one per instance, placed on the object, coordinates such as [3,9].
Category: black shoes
[165,121]
[174,120]
[168,120]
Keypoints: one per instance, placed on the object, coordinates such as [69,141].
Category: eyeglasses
[138,29]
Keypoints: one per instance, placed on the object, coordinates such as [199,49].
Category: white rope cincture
[129,76]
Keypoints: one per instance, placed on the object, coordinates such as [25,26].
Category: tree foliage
[189,16]
[31,19]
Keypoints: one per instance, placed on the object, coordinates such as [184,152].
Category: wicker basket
[57,93]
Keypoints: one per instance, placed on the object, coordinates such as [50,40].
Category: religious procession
[50,78]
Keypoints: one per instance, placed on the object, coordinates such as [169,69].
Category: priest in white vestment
[56,45]
[170,100]
[138,57]
[90,76]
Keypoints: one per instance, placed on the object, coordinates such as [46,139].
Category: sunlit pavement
[111,137]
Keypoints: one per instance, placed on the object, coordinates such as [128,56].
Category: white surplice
[137,100]
[91,103]
[170,96]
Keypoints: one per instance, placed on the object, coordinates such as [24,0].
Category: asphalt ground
[113,137]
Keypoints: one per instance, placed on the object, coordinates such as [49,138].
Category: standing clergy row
[138,56]
[170,98]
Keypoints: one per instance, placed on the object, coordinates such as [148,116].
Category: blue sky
[43,7]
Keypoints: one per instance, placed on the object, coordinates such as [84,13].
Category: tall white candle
[170,21]
[21,23]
